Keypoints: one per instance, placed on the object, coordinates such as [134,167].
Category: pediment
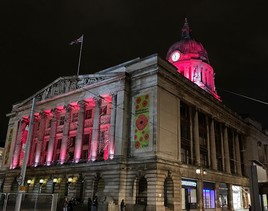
[64,85]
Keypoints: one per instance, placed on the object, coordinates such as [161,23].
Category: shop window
[209,198]
[237,197]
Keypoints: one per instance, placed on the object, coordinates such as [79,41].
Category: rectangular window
[88,114]
[209,198]
[71,142]
[84,155]
[86,139]
[49,124]
[62,120]
[59,143]
[46,146]
[75,117]
[103,110]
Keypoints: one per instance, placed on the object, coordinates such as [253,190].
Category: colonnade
[55,126]
[225,140]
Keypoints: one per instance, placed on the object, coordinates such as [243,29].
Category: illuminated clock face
[175,56]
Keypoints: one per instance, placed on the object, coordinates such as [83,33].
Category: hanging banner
[8,145]
[141,121]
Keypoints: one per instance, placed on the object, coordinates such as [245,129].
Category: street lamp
[55,181]
[200,172]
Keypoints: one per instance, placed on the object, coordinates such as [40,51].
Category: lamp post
[200,172]
[69,181]
[55,181]
[29,182]
[25,158]
[41,182]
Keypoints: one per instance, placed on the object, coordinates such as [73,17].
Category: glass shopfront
[223,193]
[189,194]
[209,195]
[237,197]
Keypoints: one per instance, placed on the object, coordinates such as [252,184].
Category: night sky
[35,37]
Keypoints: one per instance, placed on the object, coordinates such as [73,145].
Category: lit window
[62,120]
[88,114]
[75,117]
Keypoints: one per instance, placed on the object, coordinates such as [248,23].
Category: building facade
[151,131]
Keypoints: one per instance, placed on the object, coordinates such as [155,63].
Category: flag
[80,39]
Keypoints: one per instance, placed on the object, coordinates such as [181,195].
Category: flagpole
[25,158]
[81,46]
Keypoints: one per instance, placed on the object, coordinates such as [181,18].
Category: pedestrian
[122,205]
[249,207]
[95,204]
[89,203]
[65,204]
[71,204]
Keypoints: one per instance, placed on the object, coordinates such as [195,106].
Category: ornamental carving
[64,85]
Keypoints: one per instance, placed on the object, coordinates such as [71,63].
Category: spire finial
[185,32]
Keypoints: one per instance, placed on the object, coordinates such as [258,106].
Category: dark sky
[35,37]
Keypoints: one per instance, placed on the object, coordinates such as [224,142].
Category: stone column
[222,149]
[96,130]
[112,128]
[17,150]
[208,141]
[177,192]
[121,133]
[226,151]
[230,197]
[179,129]
[191,134]
[217,193]
[196,138]
[36,130]
[40,138]
[52,136]
[213,146]
[200,192]
[80,131]
[65,135]
[237,154]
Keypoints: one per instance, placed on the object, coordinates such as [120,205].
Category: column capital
[25,119]
[37,117]
[56,110]
[112,94]
[97,98]
[69,107]
[44,113]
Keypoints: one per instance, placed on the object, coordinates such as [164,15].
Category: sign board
[22,188]
[19,180]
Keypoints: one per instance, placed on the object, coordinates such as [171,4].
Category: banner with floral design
[141,121]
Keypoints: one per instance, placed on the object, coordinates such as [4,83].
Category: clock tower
[191,59]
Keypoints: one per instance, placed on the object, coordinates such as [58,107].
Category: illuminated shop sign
[188,183]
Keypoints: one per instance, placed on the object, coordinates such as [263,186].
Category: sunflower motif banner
[141,121]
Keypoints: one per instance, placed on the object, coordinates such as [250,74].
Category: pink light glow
[196,71]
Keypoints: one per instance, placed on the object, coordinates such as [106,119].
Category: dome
[188,45]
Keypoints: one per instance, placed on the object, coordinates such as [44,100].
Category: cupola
[191,59]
